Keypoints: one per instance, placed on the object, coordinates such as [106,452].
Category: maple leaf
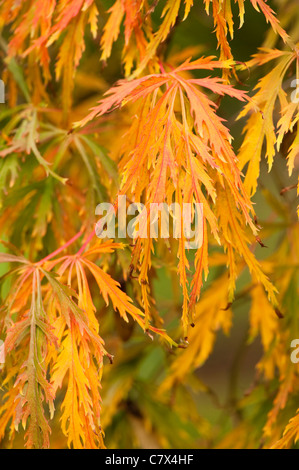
[164,158]
[290,435]
[58,316]
[26,142]
[223,22]
[39,27]
[30,336]
[260,126]
[208,318]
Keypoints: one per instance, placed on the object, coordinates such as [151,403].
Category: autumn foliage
[105,339]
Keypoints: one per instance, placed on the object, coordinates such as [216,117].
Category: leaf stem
[60,249]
